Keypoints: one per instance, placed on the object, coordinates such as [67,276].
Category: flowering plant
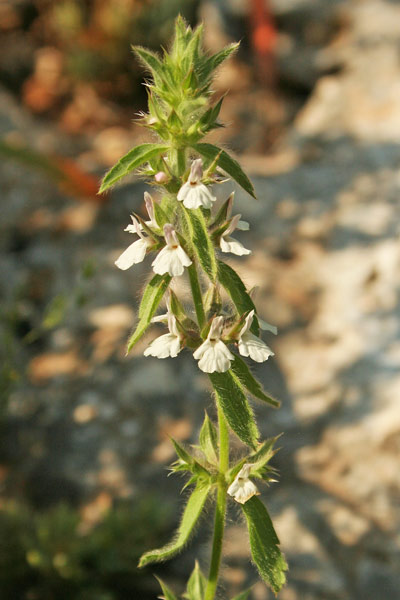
[184,234]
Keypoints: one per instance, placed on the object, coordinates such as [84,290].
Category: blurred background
[314,116]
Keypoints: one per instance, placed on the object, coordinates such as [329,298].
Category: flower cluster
[213,354]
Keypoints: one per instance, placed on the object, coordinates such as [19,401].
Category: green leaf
[150,61]
[260,459]
[190,517]
[201,241]
[264,544]
[209,118]
[213,62]
[55,312]
[152,296]
[246,377]
[227,163]
[232,399]
[135,157]
[236,289]
[212,300]
[209,440]
[168,595]
[196,587]
[222,214]
[176,307]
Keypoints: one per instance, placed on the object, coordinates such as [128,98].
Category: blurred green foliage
[45,556]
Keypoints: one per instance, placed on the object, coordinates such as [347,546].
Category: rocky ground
[87,424]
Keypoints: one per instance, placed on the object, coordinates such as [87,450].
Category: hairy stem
[196,293]
[178,161]
[220,509]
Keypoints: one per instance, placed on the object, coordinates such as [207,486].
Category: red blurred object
[263,39]
[77,182]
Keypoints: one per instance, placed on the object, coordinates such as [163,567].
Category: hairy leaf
[213,62]
[236,289]
[246,377]
[152,296]
[151,61]
[197,584]
[135,157]
[227,163]
[237,411]
[201,241]
[209,440]
[264,544]
[190,517]
[167,593]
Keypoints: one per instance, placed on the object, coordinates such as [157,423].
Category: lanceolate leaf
[237,411]
[167,594]
[135,157]
[236,289]
[201,241]
[150,61]
[196,586]
[190,517]
[227,163]
[246,377]
[152,296]
[211,63]
[209,440]
[264,544]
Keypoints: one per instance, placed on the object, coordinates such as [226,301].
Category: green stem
[220,509]
[178,161]
[196,293]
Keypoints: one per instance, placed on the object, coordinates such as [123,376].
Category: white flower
[136,252]
[213,355]
[172,259]
[242,488]
[250,345]
[168,344]
[149,202]
[229,244]
[194,193]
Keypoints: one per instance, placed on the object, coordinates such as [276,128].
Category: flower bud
[161,177]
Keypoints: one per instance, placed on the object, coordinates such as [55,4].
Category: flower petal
[133,255]
[251,345]
[214,357]
[164,346]
[229,244]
